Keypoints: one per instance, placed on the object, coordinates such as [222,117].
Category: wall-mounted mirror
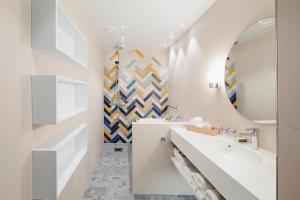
[250,72]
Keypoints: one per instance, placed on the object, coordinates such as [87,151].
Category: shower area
[135,87]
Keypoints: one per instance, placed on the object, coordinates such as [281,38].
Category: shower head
[120,46]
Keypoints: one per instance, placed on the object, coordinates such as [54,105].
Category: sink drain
[118,149]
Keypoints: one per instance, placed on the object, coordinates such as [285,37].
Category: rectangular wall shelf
[54,31]
[56,98]
[54,162]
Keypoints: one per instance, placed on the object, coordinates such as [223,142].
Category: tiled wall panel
[137,88]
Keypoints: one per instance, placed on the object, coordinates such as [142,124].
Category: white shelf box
[53,30]
[54,162]
[56,98]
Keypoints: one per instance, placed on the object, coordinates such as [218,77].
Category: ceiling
[142,24]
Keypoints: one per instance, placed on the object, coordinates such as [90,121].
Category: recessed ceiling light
[182,25]
[122,26]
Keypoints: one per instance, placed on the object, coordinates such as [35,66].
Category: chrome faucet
[173,114]
[254,134]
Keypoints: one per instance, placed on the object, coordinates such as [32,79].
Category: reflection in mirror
[250,72]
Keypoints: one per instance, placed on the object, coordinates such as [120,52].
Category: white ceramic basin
[243,154]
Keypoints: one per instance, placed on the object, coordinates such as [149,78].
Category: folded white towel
[196,120]
[213,194]
[201,181]
[203,125]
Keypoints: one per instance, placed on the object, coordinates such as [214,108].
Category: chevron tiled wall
[142,91]
[231,82]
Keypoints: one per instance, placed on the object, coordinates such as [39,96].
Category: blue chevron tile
[156,78]
[132,62]
[164,101]
[131,84]
[158,88]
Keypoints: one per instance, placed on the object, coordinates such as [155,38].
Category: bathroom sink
[243,154]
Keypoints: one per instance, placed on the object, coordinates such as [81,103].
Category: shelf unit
[54,31]
[265,122]
[56,98]
[54,162]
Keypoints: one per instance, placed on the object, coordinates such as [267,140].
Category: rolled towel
[176,163]
[200,194]
[179,156]
[201,181]
[213,194]
[184,171]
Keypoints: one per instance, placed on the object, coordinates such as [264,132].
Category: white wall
[18,136]
[200,56]
[256,76]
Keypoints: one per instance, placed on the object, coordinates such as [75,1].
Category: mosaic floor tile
[111,179]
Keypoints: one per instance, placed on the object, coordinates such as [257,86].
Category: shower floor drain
[118,149]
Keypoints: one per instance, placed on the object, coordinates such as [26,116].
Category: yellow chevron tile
[139,53]
[123,129]
[107,108]
[147,106]
[114,55]
[164,106]
[137,73]
[106,87]
[139,92]
[107,75]
[148,68]
[231,72]
[107,133]
[115,114]
[113,69]
[232,84]
[113,81]
[129,116]
[145,71]
[164,93]
[156,73]
[235,104]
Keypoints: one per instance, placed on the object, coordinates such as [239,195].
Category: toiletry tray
[208,131]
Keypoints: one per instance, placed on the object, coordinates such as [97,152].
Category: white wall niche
[56,98]
[54,31]
[54,162]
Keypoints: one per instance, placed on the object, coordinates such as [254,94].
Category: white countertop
[241,174]
[157,121]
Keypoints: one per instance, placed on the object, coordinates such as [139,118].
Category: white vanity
[236,170]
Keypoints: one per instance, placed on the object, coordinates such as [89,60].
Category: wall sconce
[213,85]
